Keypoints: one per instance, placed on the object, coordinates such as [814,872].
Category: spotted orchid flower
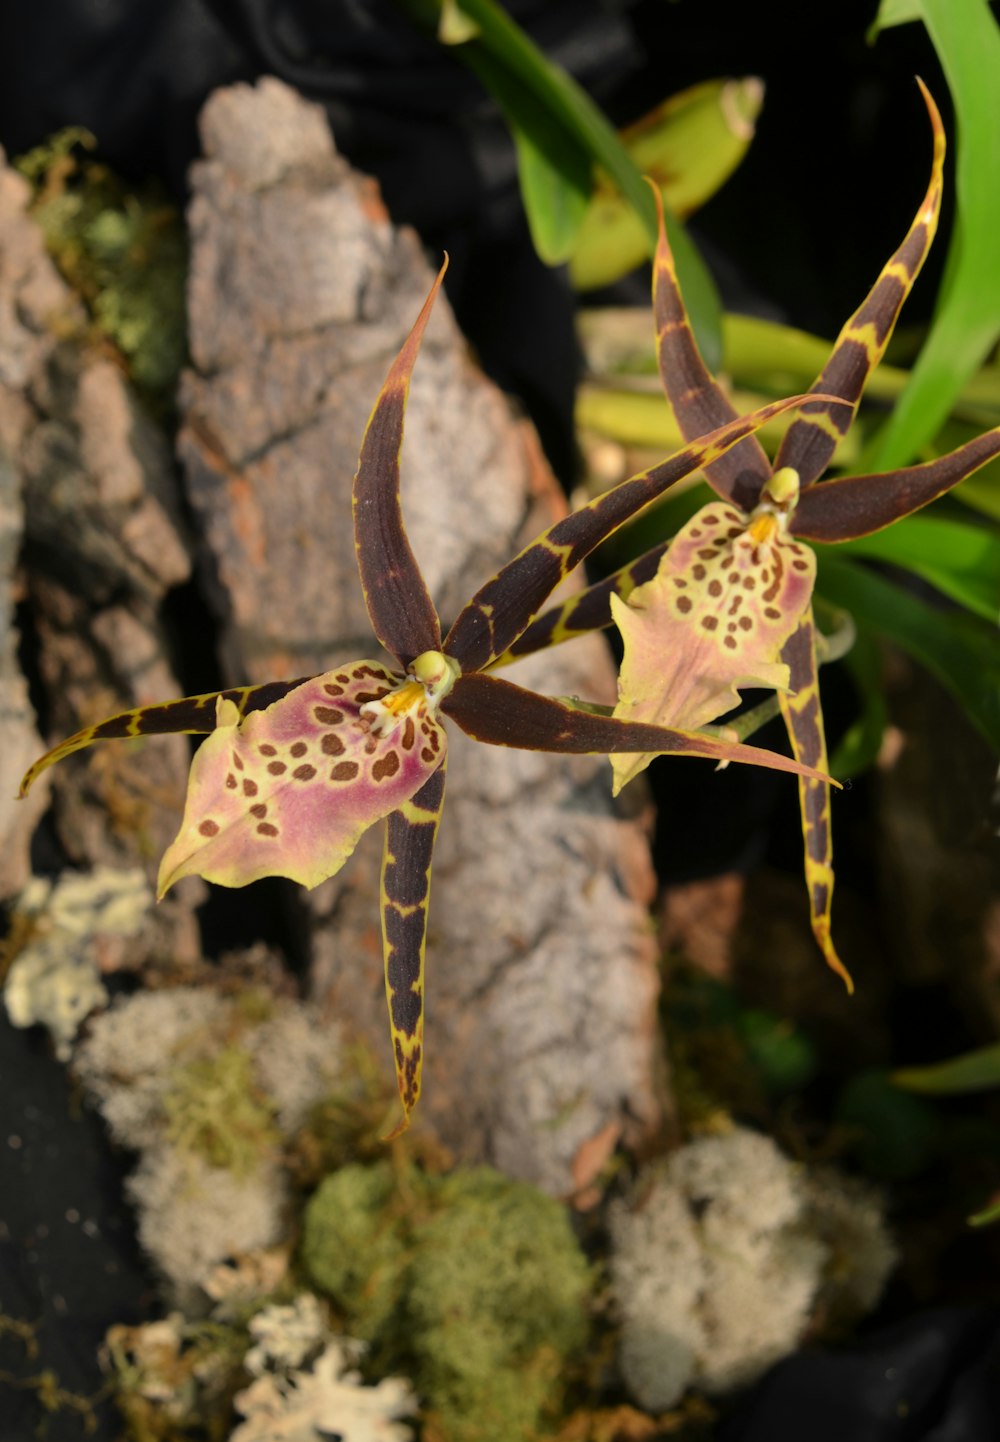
[727,602]
[293,772]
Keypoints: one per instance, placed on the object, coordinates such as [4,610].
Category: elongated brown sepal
[192,715]
[589,610]
[800,707]
[406,886]
[853,506]
[699,402]
[502,609]
[496,711]
[399,605]
[813,436]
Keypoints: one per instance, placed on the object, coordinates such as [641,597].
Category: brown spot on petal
[237,761]
[344,771]
[707,553]
[745,623]
[304,773]
[733,532]
[711,520]
[728,640]
[772,613]
[342,679]
[299,748]
[684,604]
[426,754]
[362,698]
[266,749]
[695,533]
[800,565]
[231,782]
[680,583]
[385,767]
[333,690]
[709,623]
[332,745]
[259,810]
[208,828]
[698,572]
[715,588]
[749,584]
[328,715]
[735,605]
[266,829]
[277,768]
[409,734]
[249,787]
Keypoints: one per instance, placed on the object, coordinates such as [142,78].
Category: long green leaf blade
[962,561]
[962,651]
[967,319]
[570,108]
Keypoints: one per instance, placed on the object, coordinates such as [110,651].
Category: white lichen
[205,1086]
[55,977]
[722,1257]
[192,1215]
[286,1337]
[330,1399]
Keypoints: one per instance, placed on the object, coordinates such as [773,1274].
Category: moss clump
[124,252]
[354,1247]
[215,1108]
[472,1284]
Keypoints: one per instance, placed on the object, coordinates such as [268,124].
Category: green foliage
[215,1109]
[974,1071]
[892,1136]
[966,322]
[471,1283]
[123,251]
[560,136]
[959,649]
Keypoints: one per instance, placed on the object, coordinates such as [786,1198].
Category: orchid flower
[293,772]
[727,602]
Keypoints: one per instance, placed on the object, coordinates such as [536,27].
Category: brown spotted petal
[729,592]
[289,791]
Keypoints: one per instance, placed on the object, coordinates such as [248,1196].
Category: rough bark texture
[541,966]
[103,543]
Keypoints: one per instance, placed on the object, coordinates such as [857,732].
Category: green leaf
[967,319]
[861,742]
[688,146]
[959,649]
[894,12]
[986,1217]
[568,108]
[961,560]
[555,194]
[974,1071]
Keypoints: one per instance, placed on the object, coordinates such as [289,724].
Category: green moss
[124,252]
[354,1248]
[215,1108]
[471,1284]
[497,1304]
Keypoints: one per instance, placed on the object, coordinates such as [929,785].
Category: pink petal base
[727,595]
[291,789]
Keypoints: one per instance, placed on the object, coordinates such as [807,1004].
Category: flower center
[774,510]
[429,679]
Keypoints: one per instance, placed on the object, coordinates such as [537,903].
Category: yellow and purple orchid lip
[290,790]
